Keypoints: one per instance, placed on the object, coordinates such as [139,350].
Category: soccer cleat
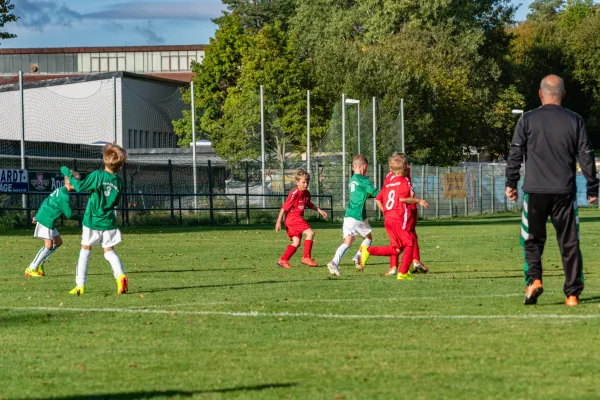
[364,256]
[392,271]
[34,273]
[404,277]
[357,264]
[41,269]
[571,301]
[333,269]
[533,291]
[122,283]
[78,290]
[418,267]
[309,262]
[284,264]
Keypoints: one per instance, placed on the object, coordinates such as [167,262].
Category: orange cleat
[284,264]
[572,301]
[309,261]
[533,291]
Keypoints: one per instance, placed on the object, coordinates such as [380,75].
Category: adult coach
[549,139]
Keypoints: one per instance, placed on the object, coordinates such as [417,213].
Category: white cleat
[333,269]
[359,267]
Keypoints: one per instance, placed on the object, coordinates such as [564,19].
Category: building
[170,62]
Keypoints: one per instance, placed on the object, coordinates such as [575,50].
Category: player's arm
[518,152]
[66,209]
[88,183]
[371,190]
[414,200]
[587,162]
[379,205]
[312,206]
[287,206]
[279,219]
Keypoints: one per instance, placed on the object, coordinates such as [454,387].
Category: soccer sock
[339,253]
[416,251]
[115,263]
[407,259]
[382,251]
[366,242]
[41,256]
[52,250]
[394,260]
[307,248]
[82,266]
[289,252]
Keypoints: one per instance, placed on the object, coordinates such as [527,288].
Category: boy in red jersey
[417,265]
[296,226]
[394,200]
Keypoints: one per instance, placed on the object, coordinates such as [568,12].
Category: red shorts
[399,238]
[295,227]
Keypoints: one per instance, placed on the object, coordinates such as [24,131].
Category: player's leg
[565,218]
[416,263]
[284,260]
[110,239]
[536,209]
[367,240]
[333,265]
[89,238]
[364,229]
[309,236]
[404,270]
[36,268]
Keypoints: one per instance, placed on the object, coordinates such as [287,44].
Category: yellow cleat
[34,273]
[364,256]
[78,290]
[122,283]
[404,277]
[41,269]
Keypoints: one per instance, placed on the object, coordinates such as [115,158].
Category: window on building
[130,138]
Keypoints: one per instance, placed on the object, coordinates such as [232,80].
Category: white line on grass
[302,315]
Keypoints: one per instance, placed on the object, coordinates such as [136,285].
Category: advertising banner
[454,186]
[13,180]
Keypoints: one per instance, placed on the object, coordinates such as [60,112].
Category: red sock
[416,251]
[407,259]
[307,248]
[382,251]
[289,252]
[394,260]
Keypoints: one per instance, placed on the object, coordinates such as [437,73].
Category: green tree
[254,14]
[6,16]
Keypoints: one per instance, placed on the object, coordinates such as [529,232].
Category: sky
[83,23]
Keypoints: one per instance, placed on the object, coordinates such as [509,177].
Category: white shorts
[41,232]
[353,227]
[92,238]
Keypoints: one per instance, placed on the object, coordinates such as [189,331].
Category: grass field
[210,316]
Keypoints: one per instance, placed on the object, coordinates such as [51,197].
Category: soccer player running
[549,139]
[99,220]
[355,219]
[399,222]
[55,205]
[293,209]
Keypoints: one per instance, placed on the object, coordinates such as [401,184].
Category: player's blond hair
[397,164]
[302,174]
[114,157]
[359,161]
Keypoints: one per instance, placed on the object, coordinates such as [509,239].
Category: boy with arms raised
[394,200]
[99,221]
[295,225]
[55,205]
[355,219]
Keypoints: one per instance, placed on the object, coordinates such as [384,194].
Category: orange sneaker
[284,264]
[572,301]
[309,261]
[533,291]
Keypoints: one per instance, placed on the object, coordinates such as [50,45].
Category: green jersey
[54,206]
[105,193]
[360,188]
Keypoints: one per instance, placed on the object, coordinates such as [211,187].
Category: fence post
[422,188]
[466,195]
[237,218]
[506,203]
[247,197]
[172,202]
[493,194]
[381,178]
[451,199]
[480,185]
[437,192]
[319,191]
[124,201]
[210,193]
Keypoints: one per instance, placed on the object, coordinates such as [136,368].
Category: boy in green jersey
[54,206]
[99,220]
[355,219]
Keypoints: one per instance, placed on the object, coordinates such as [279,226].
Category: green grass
[173,343]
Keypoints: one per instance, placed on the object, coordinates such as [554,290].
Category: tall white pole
[308,131]
[344,150]
[194,162]
[402,121]
[262,141]
[115,109]
[358,105]
[374,144]
[22,94]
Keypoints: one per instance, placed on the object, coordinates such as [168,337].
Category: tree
[6,16]
[254,14]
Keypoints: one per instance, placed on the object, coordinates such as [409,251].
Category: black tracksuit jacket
[550,139]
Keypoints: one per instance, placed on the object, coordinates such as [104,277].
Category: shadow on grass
[174,393]
[168,289]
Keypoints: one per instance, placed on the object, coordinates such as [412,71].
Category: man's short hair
[114,156]
[552,90]
[359,161]
[397,164]
[302,174]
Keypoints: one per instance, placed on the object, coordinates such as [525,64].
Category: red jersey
[397,187]
[295,204]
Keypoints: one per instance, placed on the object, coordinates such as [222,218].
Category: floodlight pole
[343,149]
[115,109]
[358,105]
[194,147]
[402,122]
[262,141]
[308,131]
[374,144]
[22,94]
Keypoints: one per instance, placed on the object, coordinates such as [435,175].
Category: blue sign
[13,180]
